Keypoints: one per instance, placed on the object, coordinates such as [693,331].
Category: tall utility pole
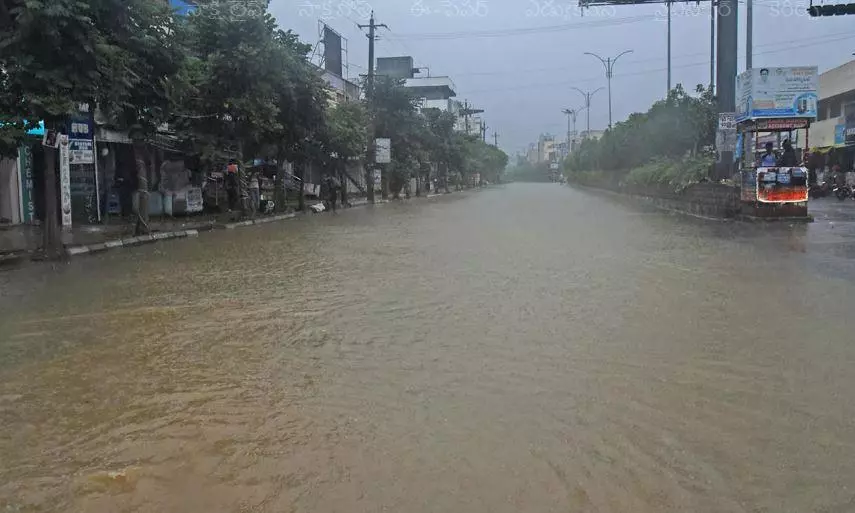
[571,115]
[725,81]
[483,131]
[609,64]
[712,42]
[668,92]
[467,111]
[496,139]
[749,33]
[587,95]
[369,93]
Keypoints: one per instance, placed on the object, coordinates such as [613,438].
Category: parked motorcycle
[819,190]
[842,192]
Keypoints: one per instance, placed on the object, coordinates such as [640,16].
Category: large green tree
[346,137]
[57,54]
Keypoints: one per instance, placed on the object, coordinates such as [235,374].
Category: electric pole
[668,92]
[587,95]
[467,111]
[369,93]
[713,7]
[496,139]
[571,115]
[483,131]
[726,68]
[749,34]
[609,64]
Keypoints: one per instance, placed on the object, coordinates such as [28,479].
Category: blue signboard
[839,134]
[182,7]
[777,93]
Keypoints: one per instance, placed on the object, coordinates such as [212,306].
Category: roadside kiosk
[780,104]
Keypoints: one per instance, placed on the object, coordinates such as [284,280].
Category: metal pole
[712,43]
[749,32]
[609,65]
[609,80]
[668,93]
[726,67]
[369,94]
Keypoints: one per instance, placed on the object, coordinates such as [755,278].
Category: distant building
[546,148]
[341,89]
[435,92]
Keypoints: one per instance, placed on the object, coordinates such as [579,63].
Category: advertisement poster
[384,150]
[65,181]
[777,93]
[25,168]
[782,185]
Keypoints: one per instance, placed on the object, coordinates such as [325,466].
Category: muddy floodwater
[528,348]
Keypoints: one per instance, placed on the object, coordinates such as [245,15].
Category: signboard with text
[25,168]
[65,181]
[777,93]
[384,150]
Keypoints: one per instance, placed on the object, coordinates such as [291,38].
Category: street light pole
[609,64]
[571,116]
[587,95]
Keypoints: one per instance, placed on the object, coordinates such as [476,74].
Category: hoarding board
[777,93]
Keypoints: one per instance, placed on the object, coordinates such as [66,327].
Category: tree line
[667,145]
[227,87]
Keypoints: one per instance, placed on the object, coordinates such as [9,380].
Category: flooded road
[526,348]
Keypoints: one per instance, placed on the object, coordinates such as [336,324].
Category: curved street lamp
[587,95]
[609,64]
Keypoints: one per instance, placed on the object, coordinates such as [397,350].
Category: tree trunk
[445,178]
[279,186]
[343,181]
[301,200]
[51,236]
[384,183]
[141,165]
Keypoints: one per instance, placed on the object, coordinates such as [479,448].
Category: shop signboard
[849,130]
[839,134]
[65,181]
[25,168]
[777,93]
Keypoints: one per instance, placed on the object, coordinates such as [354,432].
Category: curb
[84,249]
[128,242]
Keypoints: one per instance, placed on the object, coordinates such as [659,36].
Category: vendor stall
[775,104]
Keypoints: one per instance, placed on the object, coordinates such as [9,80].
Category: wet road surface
[526,348]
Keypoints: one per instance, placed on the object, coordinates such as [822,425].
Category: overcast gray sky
[523,78]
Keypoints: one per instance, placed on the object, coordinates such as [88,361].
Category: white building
[835,122]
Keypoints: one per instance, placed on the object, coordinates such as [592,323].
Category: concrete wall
[707,199]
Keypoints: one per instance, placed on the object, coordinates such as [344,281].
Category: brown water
[528,348]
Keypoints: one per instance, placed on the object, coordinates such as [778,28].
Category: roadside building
[832,136]
[546,148]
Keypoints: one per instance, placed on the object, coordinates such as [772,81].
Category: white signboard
[384,150]
[777,93]
[727,121]
[82,151]
[65,181]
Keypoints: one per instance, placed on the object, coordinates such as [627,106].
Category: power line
[640,61]
[525,31]
[645,72]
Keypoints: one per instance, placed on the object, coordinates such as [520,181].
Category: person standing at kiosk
[768,159]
